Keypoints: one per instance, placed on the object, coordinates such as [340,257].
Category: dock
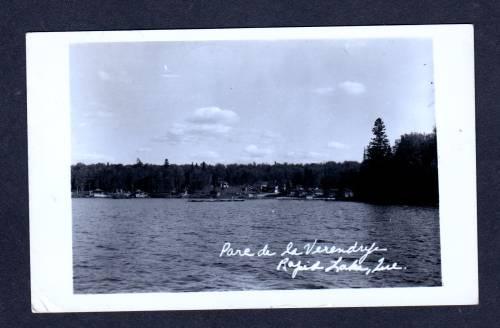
[213,200]
[305,198]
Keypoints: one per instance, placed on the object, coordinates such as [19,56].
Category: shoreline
[227,200]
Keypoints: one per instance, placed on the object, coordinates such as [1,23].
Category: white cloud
[213,115]
[144,150]
[198,129]
[257,152]
[353,88]
[208,129]
[337,145]
[203,123]
[324,90]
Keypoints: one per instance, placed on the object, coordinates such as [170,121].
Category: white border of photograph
[49,147]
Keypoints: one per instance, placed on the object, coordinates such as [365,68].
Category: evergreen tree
[376,183]
[379,148]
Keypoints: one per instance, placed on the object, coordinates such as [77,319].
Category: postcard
[252,168]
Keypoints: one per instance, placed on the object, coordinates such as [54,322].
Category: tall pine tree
[375,182]
[379,148]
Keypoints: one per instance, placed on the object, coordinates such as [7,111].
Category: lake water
[171,245]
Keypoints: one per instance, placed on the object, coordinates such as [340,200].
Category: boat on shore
[141,194]
[98,193]
[121,195]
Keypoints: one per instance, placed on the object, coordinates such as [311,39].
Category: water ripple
[162,245]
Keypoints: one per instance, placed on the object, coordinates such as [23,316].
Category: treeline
[405,173]
[172,178]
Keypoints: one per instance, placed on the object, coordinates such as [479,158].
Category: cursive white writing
[294,259]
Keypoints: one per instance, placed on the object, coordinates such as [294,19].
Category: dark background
[19,17]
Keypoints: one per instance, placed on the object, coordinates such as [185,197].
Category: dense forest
[405,173]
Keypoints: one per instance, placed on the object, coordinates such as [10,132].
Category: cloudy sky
[245,101]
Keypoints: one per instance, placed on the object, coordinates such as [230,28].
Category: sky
[295,101]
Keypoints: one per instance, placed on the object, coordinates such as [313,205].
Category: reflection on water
[162,245]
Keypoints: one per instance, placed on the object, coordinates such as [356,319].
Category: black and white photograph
[253,164]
